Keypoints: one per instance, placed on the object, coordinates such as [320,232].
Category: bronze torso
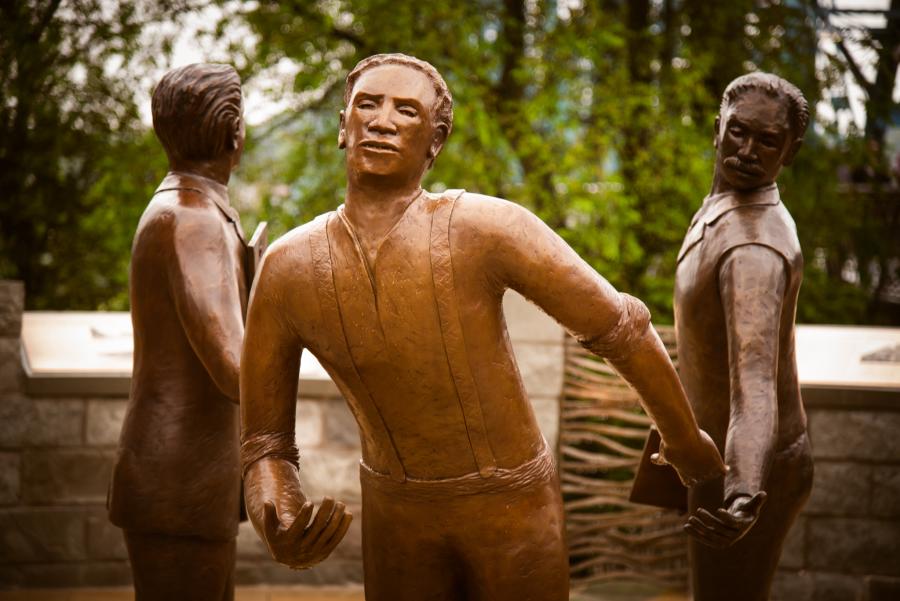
[439,371]
[723,223]
[178,470]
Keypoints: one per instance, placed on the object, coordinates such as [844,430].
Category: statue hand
[281,515]
[299,543]
[727,526]
[695,464]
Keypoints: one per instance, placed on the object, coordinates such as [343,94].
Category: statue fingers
[298,526]
[320,521]
[706,533]
[337,529]
[334,520]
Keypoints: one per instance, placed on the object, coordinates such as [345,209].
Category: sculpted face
[387,127]
[753,140]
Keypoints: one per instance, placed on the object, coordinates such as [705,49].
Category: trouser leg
[744,571]
[181,568]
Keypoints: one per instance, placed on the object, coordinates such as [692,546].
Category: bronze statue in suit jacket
[176,484]
[737,279]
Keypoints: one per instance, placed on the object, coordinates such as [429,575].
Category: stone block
[103,573]
[546,410]
[56,422]
[12,304]
[793,556]
[525,321]
[43,422]
[854,546]
[9,478]
[331,472]
[855,435]
[881,588]
[66,476]
[541,366]
[103,422]
[308,425]
[792,586]
[104,540]
[836,587]
[12,378]
[340,428]
[885,499]
[839,489]
[16,415]
[249,545]
[42,535]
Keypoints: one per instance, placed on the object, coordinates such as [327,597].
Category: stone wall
[846,544]
[56,455]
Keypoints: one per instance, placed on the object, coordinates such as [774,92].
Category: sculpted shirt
[416,340]
[178,470]
[734,322]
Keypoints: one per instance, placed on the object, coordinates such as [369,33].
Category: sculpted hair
[777,87]
[443,105]
[196,110]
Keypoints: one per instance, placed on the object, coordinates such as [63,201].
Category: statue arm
[205,291]
[276,504]
[752,282]
[535,261]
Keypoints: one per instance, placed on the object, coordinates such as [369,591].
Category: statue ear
[437,143]
[236,140]
[716,131]
[792,152]
[342,135]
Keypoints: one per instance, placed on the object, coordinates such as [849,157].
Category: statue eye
[365,104]
[408,111]
[735,130]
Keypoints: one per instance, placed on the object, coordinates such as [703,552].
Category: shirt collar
[716,205]
[218,193]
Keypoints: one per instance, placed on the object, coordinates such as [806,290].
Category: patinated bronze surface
[176,482]
[398,293]
[737,280]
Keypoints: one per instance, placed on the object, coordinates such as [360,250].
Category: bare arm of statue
[532,259]
[752,299]
[206,296]
[276,505]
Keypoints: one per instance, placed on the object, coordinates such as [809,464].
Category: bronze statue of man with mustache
[737,279]
[398,293]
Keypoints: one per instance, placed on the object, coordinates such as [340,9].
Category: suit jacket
[177,470]
[734,323]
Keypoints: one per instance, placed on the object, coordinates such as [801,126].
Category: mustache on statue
[749,168]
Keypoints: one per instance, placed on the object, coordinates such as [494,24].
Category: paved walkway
[614,592]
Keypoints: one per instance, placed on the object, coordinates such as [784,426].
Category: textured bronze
[737,280]
[176,482]
[398,293]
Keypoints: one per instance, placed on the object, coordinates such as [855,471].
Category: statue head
[397,115]
[759,129]
[197,114]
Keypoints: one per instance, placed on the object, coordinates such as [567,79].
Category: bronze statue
[736,286]
[398,293]
[176,484]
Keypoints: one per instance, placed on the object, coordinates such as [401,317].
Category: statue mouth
[379,146]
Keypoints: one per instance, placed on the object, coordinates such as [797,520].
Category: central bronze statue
[399,293]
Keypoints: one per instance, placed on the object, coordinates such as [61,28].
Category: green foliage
[598,116]
[75,161]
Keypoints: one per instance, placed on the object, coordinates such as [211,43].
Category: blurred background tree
[597,115]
